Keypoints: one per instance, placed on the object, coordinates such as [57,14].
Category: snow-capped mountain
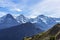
[40,21]
[47,20]
[41,18]
[7,21]
[22,19]
[43,22]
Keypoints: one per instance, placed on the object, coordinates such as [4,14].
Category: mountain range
[43,22]
[17,28]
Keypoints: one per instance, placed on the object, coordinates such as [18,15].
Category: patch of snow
[43,20]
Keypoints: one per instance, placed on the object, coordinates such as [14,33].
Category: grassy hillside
[51,34]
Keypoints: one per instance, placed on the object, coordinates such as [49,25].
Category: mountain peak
[22,16]
[22,19]
[8,15]
[7,21]
[41,16]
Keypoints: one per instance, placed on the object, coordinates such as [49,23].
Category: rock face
[19,32]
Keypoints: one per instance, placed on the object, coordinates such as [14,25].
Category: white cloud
[15,9]
[46,7]
[2,14]
[10,5]
[18,9]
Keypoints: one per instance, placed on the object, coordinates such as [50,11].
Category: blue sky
[30,8]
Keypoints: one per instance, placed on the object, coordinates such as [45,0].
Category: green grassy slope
[51,34]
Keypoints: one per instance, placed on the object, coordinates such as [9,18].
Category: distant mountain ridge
[40,21]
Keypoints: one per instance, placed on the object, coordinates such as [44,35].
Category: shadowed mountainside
[19,32]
